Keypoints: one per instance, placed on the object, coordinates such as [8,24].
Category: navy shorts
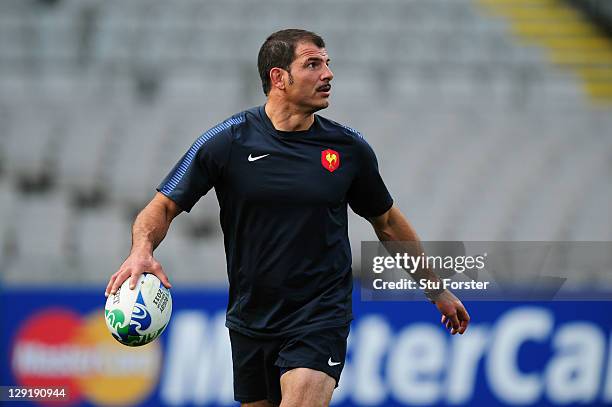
[259,363]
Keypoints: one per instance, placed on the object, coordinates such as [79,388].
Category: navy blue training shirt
[283,199]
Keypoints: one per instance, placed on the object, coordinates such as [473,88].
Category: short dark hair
[278,51]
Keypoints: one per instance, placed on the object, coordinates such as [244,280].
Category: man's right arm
[148,231]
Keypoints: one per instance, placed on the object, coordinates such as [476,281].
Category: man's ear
[277,78]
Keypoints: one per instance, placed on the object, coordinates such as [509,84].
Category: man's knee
[306,387]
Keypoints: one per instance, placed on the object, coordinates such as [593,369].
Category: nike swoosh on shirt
[329,362]
[251,158]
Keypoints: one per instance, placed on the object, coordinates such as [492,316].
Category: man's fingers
[454,323]
[463,314]
[159,273]
[133,280]
[446,322]
[454,316]
[465,319]
[121,277]
[133,269]
[110,285]
[116,283]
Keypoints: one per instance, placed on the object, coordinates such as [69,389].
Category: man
[283,178]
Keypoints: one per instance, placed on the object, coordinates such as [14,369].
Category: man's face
[309,78]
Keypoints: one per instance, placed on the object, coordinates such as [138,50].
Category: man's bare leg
[304,387]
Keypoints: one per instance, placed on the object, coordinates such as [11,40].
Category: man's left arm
[392,226]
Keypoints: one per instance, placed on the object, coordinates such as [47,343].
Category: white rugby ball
[136,317]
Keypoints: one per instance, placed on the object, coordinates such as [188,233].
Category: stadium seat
[102,240]
[42,236]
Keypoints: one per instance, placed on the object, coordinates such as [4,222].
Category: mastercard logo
[60,348]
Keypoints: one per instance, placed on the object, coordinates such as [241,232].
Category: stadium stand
[491,119]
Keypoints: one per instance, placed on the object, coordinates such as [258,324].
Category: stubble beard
[311,108]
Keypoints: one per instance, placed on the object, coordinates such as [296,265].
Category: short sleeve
[368,195]
[200,168]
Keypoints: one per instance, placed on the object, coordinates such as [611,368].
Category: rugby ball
[136,317]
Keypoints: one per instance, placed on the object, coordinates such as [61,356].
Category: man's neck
[285,117]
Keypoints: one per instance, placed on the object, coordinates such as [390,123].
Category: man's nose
[328,74]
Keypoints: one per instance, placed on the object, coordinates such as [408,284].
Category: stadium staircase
[569,38]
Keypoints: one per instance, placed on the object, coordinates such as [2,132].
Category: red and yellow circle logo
[59,348]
